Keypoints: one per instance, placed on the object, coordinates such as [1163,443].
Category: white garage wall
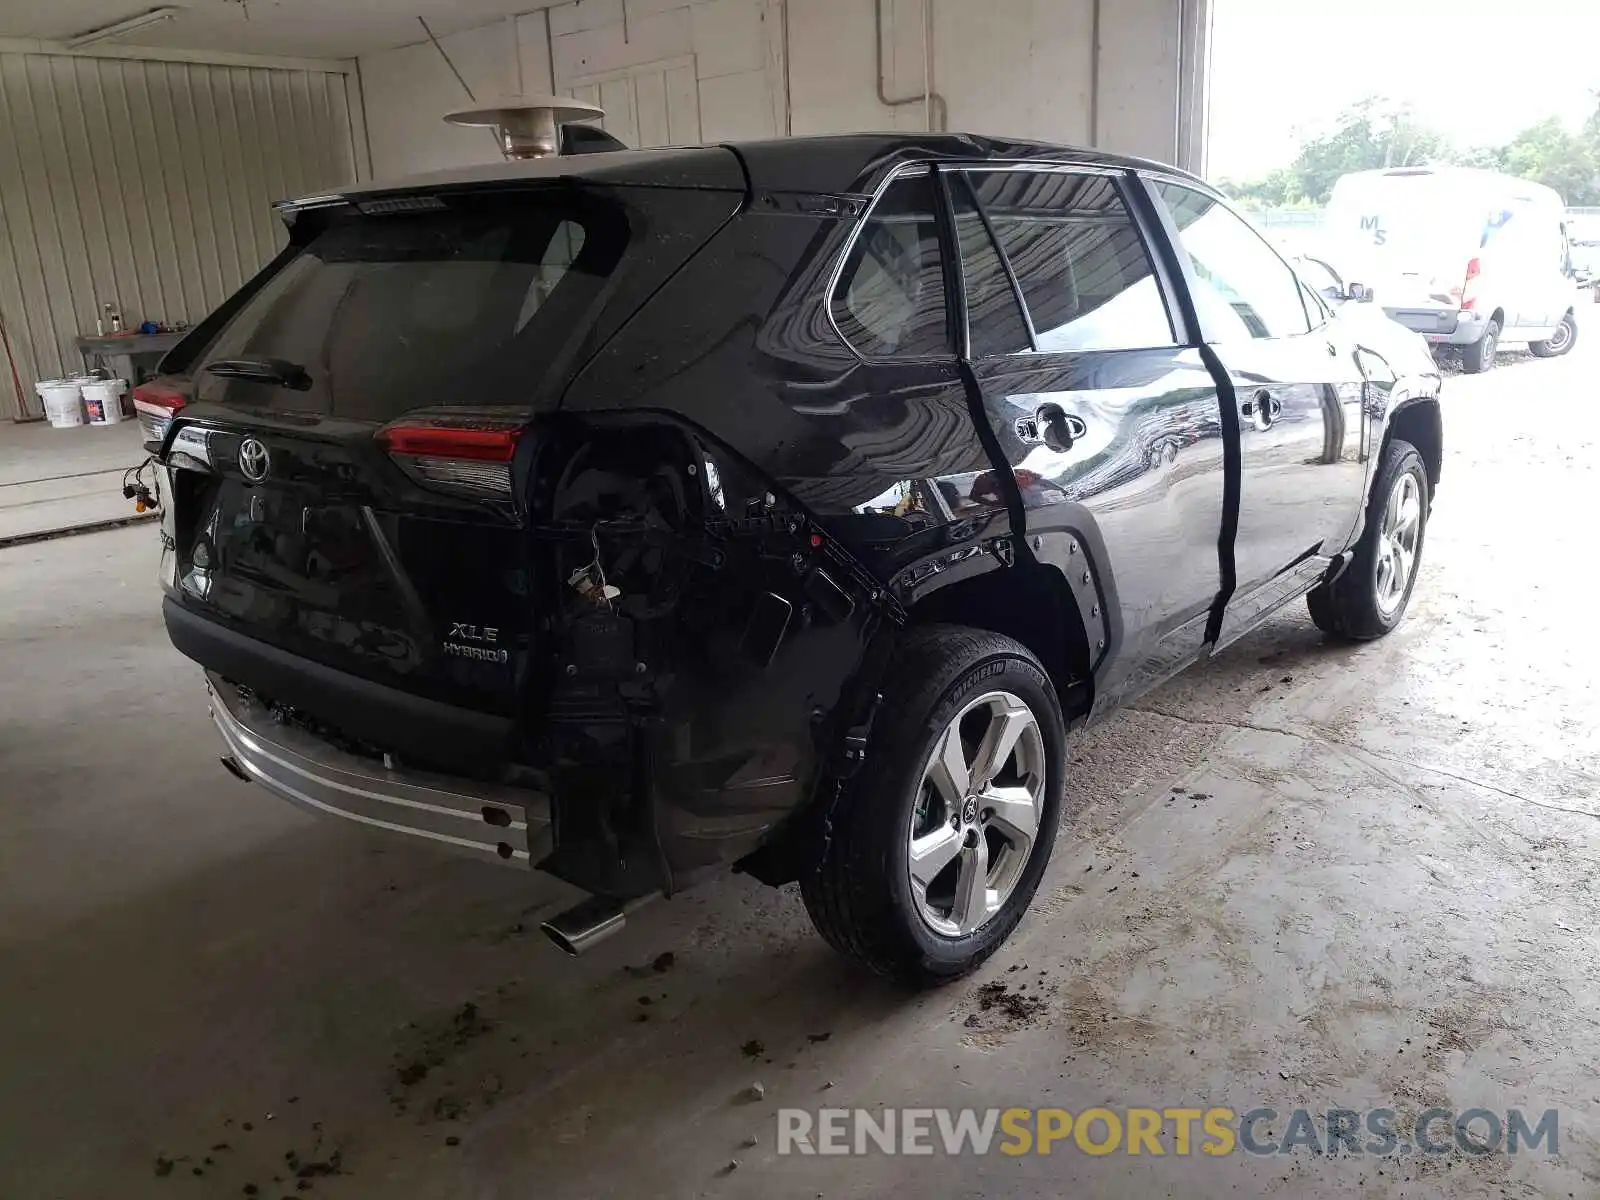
[399,86]
[1027,68]
[147,184]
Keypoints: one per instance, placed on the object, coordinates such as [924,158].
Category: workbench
[126,354]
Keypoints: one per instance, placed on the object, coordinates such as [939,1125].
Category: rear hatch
[350,456]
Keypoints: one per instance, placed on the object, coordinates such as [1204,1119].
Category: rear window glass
[890,298]
[387,313]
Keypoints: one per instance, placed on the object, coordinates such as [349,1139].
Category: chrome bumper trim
[445,810]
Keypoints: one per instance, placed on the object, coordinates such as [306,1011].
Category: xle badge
[478,642]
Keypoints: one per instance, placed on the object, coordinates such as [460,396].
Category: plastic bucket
[63,401]
[103,400]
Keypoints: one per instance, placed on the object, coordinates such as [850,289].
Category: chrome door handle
[1051,425]
[1263,408]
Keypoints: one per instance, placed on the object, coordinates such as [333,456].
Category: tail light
[1464,295]
[465,455]
[156,403]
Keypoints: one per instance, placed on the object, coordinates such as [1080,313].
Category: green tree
[1487,158]
[1377,133]
[1549,153]
[1276,189]
[1370,135]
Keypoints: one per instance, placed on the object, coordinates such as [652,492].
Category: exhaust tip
[231,765]
[562,941]
[588,922]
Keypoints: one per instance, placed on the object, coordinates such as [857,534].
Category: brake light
[462,455]
[1464,296]
[156,403]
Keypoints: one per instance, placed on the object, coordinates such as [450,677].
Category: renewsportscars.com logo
[1211,1132]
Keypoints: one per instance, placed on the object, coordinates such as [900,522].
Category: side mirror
[1359,292]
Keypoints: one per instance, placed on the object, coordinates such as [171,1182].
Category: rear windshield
[470,304]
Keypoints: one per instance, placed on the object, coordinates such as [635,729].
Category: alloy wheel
[1398,540]
[977,814]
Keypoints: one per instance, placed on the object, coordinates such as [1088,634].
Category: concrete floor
[61,479]
[1305,875]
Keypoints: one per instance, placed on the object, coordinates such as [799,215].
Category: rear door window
[890,301]
[1085,275]
[464,304]
[994,321]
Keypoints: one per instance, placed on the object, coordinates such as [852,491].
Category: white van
[1465,257]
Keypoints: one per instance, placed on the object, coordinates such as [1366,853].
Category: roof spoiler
[588,139]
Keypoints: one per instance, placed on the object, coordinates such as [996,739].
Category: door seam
[1003,472]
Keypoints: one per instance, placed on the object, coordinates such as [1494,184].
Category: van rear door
[1407,235]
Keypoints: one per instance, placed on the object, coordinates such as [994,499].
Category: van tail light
[1466,295]
[156,403]
[462,455]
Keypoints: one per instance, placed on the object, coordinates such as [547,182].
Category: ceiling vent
[540,126]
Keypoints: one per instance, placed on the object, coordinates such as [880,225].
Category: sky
[1477,70]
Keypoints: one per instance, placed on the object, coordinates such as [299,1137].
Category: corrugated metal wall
[147,184]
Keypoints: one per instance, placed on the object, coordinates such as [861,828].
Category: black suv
[780,504]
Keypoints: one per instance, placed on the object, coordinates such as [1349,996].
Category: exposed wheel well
[1420,424]
[1498,317]
[1033,604]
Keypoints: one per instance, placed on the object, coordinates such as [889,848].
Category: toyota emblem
[254,461]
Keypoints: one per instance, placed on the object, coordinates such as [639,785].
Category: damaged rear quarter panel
[700,633]
[734,371]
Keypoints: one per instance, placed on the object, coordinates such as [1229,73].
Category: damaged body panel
[652,487]
[701,633]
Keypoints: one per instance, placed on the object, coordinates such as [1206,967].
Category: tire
[1479,356]
[860,895]
[1353,607]
[1560,343]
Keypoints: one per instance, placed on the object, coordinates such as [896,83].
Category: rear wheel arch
[1030,602]
[1033,604]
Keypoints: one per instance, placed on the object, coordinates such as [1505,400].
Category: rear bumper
[1442,326]
[488,821]
[442,734]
